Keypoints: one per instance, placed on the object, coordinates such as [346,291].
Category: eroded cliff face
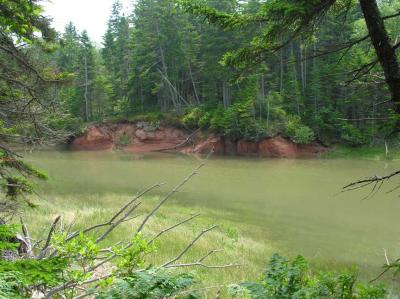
[142,137]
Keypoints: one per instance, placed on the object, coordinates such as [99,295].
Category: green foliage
[66,121]
[150,285]
[7,234]
[148,117]
[123,140]
[133,257]
[16,178]
[232,233]
[191,119]
[235,122]
[80,251]
[10,285]
[352,136]
[24,19]
[47,272]
[298,132]
[293,279]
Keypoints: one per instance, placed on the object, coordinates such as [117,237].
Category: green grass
[365,153]
[251,253]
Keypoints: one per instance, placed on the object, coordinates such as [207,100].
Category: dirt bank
[142,137]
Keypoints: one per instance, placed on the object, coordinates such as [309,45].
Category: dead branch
[183,143]
[365,119]
[191,244]
[114,225]
[172,227]
[116,215]
[361,71]
[48,240]
[70,285]
[172,192]
[27,238]
[375,181]
[200,263]
[391,16]
[107,254]
[371,180]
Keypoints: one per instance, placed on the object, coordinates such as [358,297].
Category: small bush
[352,136]
[298,132]
[191,118]
[124,140]
[238,121]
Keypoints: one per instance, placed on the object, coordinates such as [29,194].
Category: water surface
[295,202]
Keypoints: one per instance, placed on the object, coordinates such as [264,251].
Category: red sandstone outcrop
[277,147]
[247,148]
[142,137]
[204,146]
[95,138]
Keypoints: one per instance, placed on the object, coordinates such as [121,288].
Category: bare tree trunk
[281,72]
[315,81]
[385,51]
[225,93]
[194,85]
[164,74]
[296,80]
[86,92]
[302,72]
[141,97]
[305,70]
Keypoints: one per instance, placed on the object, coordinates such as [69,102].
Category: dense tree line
[326,84]
[160,59]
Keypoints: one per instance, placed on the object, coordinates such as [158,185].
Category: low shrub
[352,135]
[285,278]
[148,285]
[298,132]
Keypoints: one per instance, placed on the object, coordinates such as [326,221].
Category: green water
[295,202]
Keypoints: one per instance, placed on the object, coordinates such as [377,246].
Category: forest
[160,60]
[316,73]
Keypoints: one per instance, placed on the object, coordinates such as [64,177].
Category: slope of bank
[141,137]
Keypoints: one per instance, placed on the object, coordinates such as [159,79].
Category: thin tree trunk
[281,71]
[315,81]
[86,92]
[225,93]
[303,86]
[194,85]
[296,80]
[164,73]
[141,97]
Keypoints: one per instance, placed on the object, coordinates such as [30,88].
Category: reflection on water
[296,202]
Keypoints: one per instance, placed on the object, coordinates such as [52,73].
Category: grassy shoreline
[376,153]
[238,246]
[241,243]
